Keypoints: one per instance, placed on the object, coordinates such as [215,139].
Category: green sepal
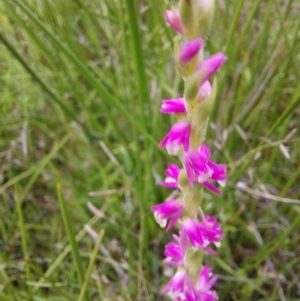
[192,87]
[204,108]
[187,18]
[199,112]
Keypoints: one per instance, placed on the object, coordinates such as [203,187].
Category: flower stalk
[199,234]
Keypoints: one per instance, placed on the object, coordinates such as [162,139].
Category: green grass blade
[90,266]
[70,234]
[24,238]
[233,24]
[139,64]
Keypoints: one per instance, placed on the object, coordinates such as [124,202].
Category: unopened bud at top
[196,17]
[204,13]
[173,19]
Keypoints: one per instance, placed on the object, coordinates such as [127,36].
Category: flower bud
[199,116]
[204,71]
[196,17]
[173,106]
[192,87]
[173,19]
[205,90]
[189,50]
[211,65]
[187,19]
[204,11]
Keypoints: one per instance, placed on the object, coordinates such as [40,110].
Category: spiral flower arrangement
[198,233]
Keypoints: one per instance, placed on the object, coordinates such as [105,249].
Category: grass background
[80,89]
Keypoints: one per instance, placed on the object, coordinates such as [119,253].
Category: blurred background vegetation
[80,88]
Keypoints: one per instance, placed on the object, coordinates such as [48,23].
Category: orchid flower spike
[198,233]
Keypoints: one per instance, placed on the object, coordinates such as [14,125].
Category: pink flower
[201,234]
[175,288]
[173,106]
[173,19]
[211,65]
[190,232]
[211,230]
[202,289]
[172,173]
[178,136]
[174,252]
[165,210]
[189,50]
[180,287]
[200,169]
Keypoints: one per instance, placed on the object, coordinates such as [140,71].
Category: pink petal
[174,253]
[172,173]
[200,169]
[204,284]
[190,228]
[210,66]
[189,50]
[204,151]
[178,136]
[173,106]
[211,187]
[175,217]
[205,90]
[172,208]
[173,19]
[176,284]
